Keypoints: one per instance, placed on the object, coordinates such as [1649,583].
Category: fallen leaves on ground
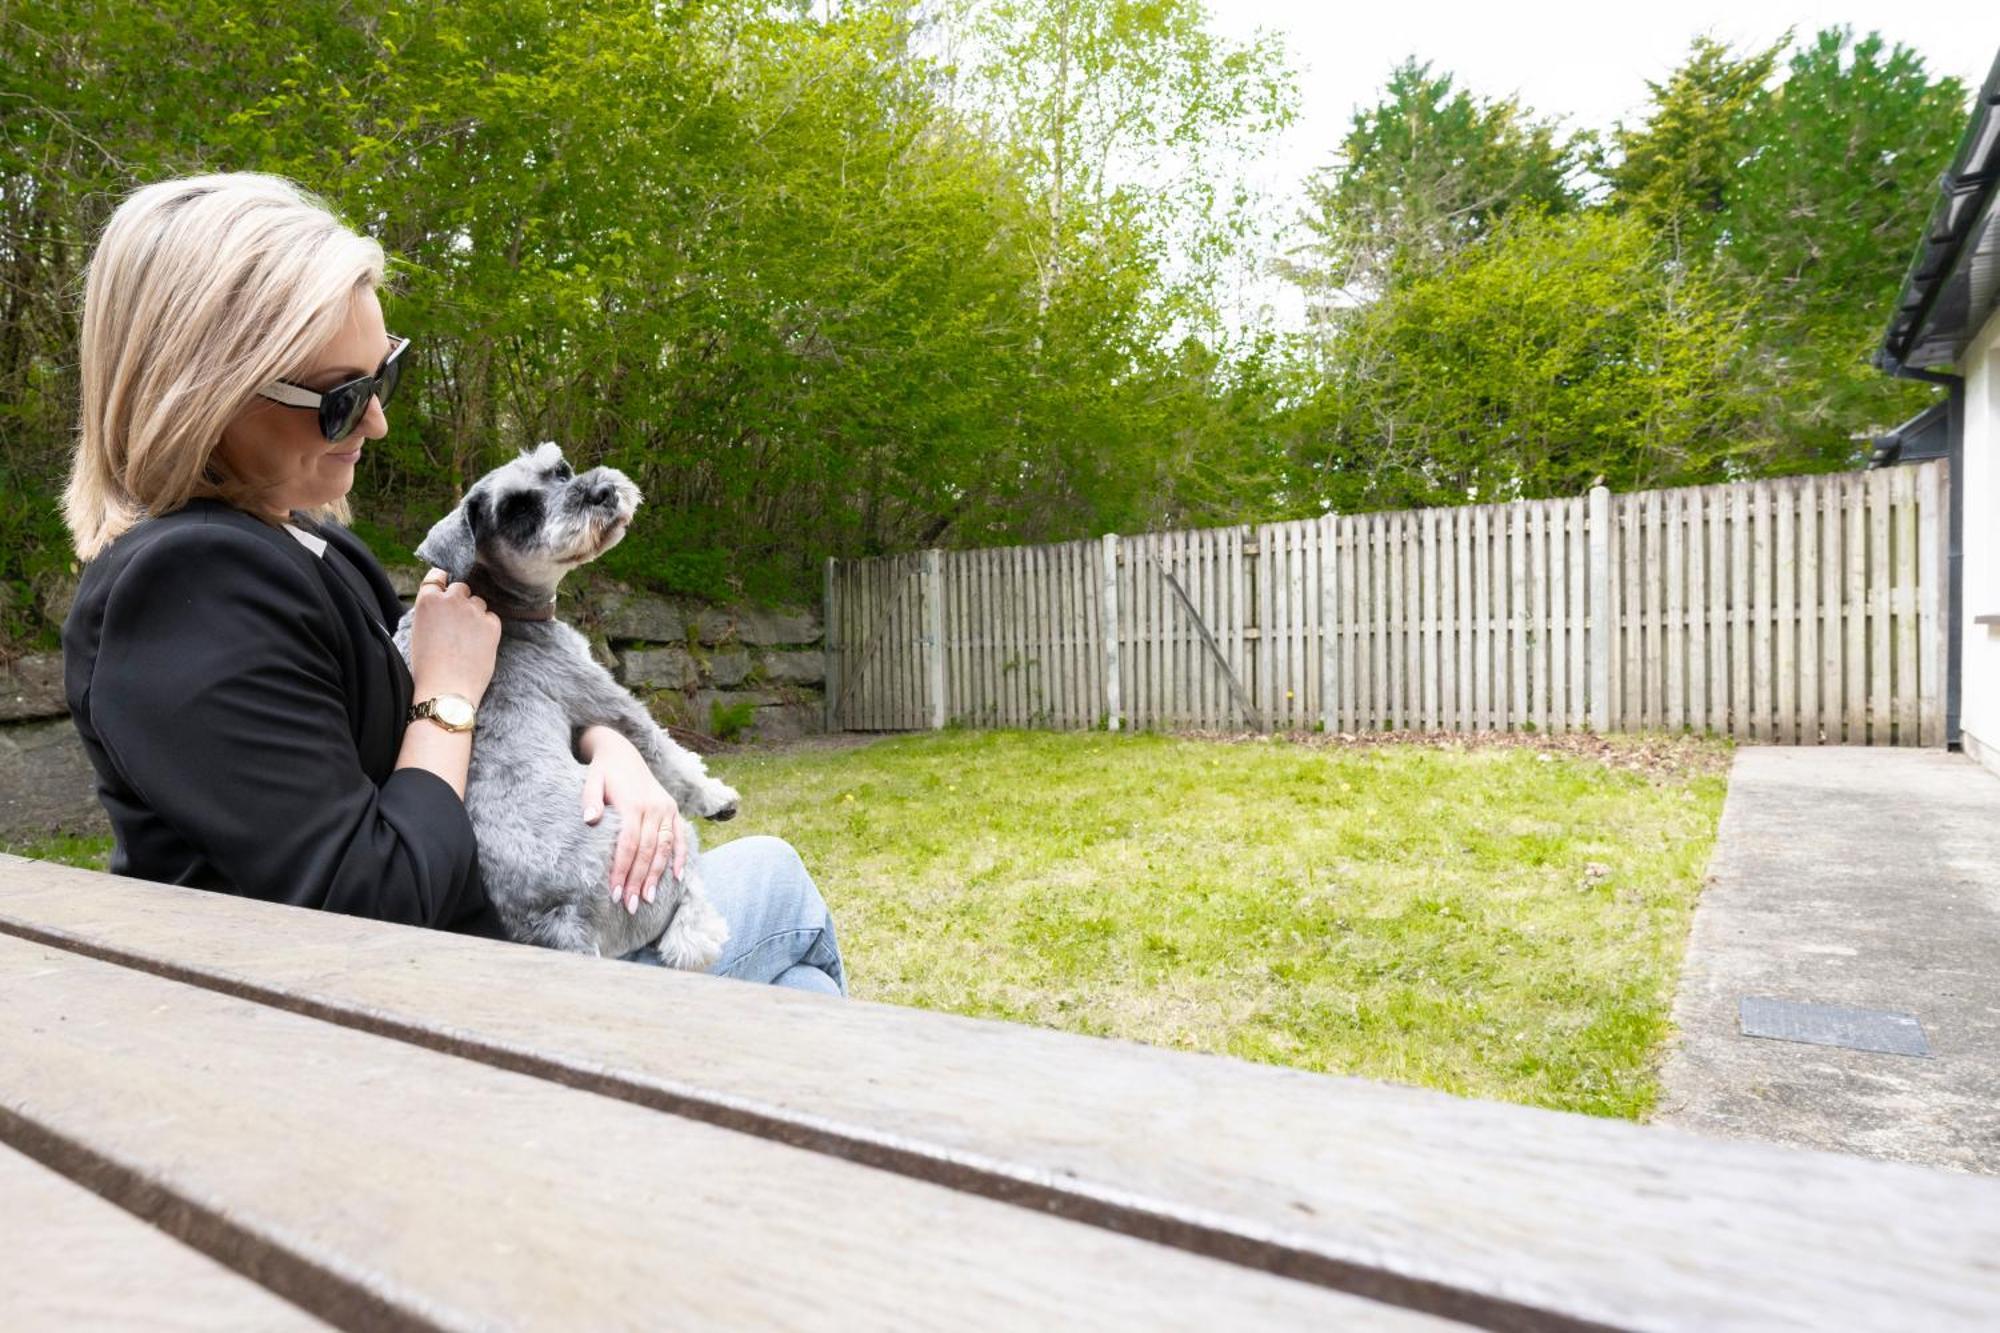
[1658,756]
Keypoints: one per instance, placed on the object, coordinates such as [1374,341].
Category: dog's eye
[521,511]
[561,472]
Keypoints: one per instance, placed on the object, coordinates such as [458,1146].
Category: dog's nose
[603,493]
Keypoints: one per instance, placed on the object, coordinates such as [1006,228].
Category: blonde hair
[200,290]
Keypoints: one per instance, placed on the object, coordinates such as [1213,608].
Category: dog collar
[546,611]
[506,605]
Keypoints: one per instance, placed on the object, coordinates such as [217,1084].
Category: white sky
[1588,63]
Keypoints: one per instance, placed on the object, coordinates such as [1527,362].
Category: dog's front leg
[601,700]
[680,770]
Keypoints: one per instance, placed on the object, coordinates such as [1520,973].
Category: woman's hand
[649,837]
[453,640]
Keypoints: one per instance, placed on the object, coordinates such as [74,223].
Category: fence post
[933,591]
[1602,630]
[1329,622]
[1109,631]
[1933,555]
[830,630]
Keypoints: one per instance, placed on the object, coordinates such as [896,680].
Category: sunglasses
[342,407]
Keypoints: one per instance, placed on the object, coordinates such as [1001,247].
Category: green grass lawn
[66,848]
[1501,920]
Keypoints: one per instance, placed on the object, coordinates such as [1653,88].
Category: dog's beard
[593,527]
[610,531]
[595,534]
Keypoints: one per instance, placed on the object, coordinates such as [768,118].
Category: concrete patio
[1866,878]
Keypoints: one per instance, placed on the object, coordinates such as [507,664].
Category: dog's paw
[719,801]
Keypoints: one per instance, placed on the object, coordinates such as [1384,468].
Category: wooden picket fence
[1806,610]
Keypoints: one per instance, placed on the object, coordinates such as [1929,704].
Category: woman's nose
[375,421]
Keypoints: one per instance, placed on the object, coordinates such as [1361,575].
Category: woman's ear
[452,544]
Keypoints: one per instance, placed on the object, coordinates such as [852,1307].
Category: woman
[227,659]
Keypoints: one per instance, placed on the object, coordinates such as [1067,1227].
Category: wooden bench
[74,1261]
[390,1127]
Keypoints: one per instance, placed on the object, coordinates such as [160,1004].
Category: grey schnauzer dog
[515,534]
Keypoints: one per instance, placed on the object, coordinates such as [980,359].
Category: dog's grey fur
[514,535]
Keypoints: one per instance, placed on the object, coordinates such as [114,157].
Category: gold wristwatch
[453,712]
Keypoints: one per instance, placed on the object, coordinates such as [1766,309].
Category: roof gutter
[1883,361]
[1966,196]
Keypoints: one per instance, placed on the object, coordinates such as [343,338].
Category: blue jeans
[779,929]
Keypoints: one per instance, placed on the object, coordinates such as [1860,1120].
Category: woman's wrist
[448,754]
[591,740]
[430,687]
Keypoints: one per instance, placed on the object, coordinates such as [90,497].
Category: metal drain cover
[1832,1025]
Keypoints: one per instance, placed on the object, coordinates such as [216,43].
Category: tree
[1128,122]
[1421,175]
[760,257]
[1680,167]
[1554,351]
[1817,228]
[1712,318]
[1127,114]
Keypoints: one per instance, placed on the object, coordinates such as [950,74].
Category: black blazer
[243,704]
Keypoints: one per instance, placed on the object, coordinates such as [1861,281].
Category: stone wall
[725,673]
[728,672]
[46,784]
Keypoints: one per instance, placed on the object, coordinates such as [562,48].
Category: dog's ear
[452,544]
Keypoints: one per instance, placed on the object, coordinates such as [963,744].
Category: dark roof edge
[1938,251]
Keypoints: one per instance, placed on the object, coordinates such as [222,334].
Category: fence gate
[877,676]
[1186,657]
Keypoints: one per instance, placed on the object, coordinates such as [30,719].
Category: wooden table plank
[381,1184]
[1502,1215]
[70,1260]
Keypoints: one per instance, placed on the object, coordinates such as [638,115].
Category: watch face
[452,711]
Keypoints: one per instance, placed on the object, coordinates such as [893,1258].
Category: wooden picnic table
[220,1112]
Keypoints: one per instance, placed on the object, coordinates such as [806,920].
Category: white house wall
[1980,691]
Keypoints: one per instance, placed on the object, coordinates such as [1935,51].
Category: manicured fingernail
[652,889]
[632,905]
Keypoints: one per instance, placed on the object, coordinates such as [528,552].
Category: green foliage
[1678,168]
[1425,172]
[728,721]
[1802,196]
[1488,330]
[1128,116]
[850,279]
[1557,351]
[35,557]
[782,267]
[1819,229]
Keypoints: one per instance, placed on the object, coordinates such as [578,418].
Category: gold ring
[435,582]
